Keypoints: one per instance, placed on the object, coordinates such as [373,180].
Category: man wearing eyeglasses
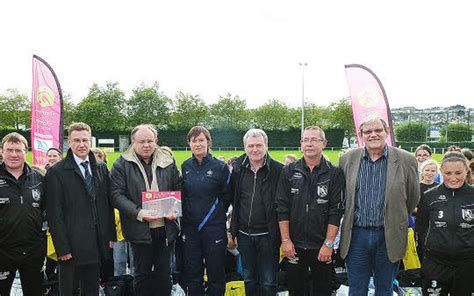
[79,213]
[309,208]
[21,218]
[382,189]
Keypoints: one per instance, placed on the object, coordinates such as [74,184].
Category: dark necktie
[88,177]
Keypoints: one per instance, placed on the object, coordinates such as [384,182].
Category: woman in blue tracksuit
[206,197]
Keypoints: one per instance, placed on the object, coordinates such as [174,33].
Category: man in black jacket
[21,218]
[145,167]
[310,207]
[79,214]
[254,182]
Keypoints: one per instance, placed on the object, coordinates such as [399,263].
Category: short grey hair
[373,118]
[255,132]
[322,134]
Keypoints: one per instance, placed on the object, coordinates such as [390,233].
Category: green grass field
[279,155]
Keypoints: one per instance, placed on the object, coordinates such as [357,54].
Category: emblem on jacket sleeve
[35,193]
[467,215]
[322,190]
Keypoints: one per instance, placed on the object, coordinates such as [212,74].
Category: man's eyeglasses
[368,132]
[311,140]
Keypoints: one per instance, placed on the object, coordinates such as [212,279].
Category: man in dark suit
[382,189]
[79,213]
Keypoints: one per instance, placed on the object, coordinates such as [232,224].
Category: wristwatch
[329,244]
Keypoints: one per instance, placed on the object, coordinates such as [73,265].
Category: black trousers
[29,266]
[152,265]
[443,279]
[73,276]
[299,277]
[210,245]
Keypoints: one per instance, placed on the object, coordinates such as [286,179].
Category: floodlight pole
[303,66]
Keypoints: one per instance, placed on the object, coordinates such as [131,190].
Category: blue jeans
[260,263]
[368,256]
[123,252]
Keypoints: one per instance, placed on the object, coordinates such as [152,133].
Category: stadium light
[303,66]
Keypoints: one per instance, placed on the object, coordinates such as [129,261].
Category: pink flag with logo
[46,111]
[368,98]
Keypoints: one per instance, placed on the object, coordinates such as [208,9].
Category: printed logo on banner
[45,96]
[368,97]
[42,145]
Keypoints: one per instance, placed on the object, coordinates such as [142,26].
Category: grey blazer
[402,194]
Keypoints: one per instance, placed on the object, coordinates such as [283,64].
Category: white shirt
[79,161]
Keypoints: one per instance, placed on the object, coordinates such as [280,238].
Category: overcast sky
[422,51]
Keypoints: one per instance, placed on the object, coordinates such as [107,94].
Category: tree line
[106,108]
[420,132]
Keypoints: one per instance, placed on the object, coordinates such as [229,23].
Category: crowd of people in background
[297,216]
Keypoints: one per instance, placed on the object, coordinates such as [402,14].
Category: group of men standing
[79,214]
[373,191]
[299,206]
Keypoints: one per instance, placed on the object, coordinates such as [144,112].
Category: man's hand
[150,215]
[288,249]
[325,254]
[65,257]
[171,217]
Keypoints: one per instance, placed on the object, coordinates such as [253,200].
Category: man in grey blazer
[382,189]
